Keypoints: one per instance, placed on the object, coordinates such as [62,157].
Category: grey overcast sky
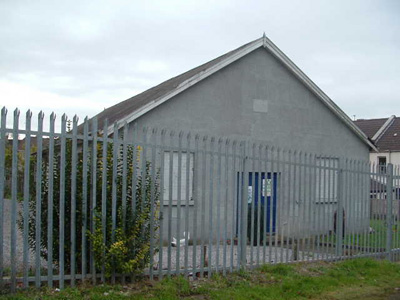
[82,56]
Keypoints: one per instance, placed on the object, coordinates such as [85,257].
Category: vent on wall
[260,105]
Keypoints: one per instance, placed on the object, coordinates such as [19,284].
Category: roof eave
[188,83]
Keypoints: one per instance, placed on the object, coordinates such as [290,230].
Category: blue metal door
[268,194]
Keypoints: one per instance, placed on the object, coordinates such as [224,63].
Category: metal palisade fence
[116,202]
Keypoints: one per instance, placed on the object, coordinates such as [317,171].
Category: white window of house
[171,184]
[382,164]
[326,180]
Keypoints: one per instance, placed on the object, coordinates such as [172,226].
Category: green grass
[372,241]
[351,279]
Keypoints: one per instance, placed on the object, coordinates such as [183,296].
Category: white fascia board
[382,130]
[316,90]
[187,84]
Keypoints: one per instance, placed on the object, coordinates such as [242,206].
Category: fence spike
[28,114]
[16,113]
[4,111]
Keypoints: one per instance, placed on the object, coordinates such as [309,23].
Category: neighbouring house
[385,133]
[254,92]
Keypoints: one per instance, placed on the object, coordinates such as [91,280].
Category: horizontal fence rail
[87,203]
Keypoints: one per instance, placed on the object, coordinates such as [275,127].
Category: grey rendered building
[255,93]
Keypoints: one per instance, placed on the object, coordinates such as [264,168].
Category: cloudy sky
[82,56]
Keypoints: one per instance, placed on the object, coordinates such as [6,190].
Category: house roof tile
[390,140]
[371,126]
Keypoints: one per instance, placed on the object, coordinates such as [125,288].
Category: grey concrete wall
[256,98]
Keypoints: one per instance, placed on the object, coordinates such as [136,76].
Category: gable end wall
[257,97]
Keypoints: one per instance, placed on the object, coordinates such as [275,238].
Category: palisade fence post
[62,201]
[153,186]
[389,212]
[124,181]
[50,202]
[245,184]
[2,184]
[104,169]
[210,207]
[38,222]
[339,211]
[14,195]
[74,167]
[115,154]
[196,197]
[187,184]
[85,155]
[178,203]
[162,177]
[93,196]
[27,163]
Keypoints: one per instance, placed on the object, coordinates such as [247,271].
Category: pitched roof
[370,127]
[132,108]
[386,136]
[121,110]
[390,140]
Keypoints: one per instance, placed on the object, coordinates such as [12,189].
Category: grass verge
[352,279]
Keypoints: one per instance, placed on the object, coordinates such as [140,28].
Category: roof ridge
[371,119]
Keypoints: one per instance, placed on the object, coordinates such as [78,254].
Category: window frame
[166,170]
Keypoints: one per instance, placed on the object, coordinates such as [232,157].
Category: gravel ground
[271,254]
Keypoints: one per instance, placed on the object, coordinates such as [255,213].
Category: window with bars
[182,175]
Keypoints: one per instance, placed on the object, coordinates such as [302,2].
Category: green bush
[129,253]
[132,232]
